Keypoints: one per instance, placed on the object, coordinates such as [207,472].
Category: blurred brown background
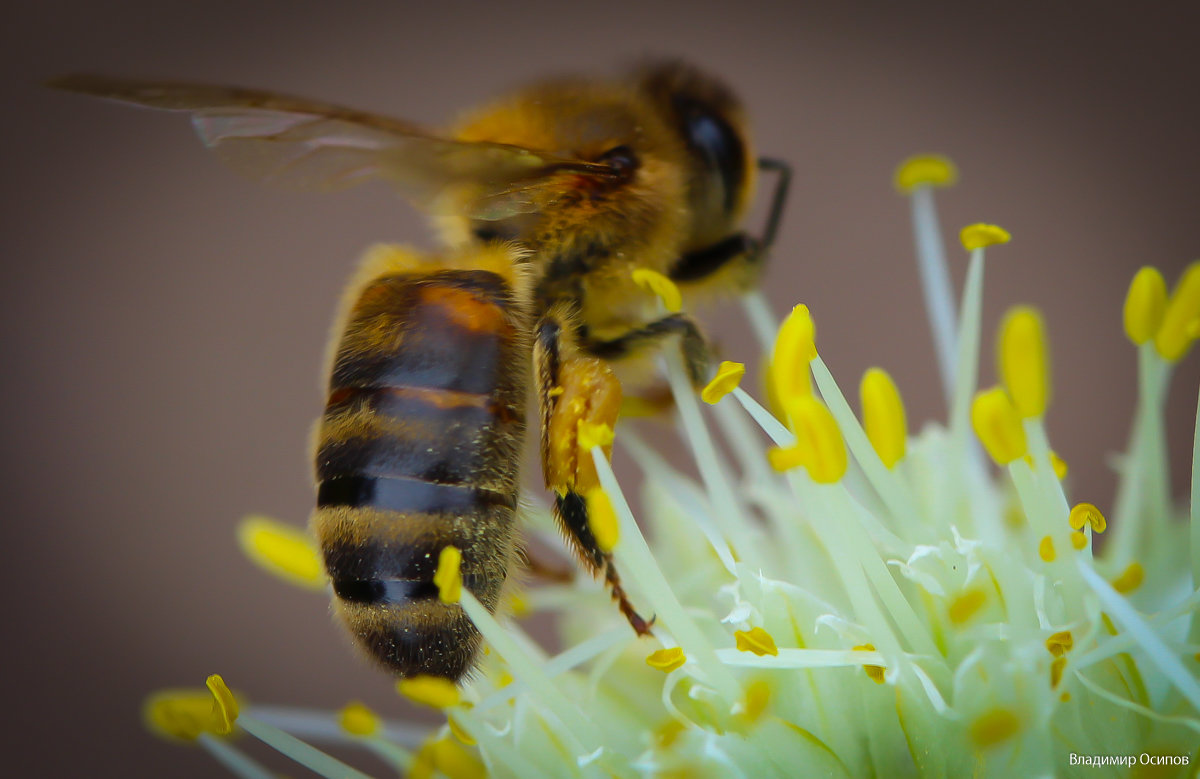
[164,320]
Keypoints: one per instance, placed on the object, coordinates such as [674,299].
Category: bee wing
[304,144]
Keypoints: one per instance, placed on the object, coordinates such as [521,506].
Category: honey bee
[546,200]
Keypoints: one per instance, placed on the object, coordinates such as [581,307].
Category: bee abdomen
[419,449]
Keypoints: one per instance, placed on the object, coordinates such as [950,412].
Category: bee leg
[575,388]
[739,253]
[695,348]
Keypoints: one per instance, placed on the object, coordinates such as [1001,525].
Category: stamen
[994,727]
[980,235]
[178,715]
[795,346]
[1173,339]
[817,433]
[997,425]
[756,640]
[1023,362]
[667,660]
[883,415]
[925,170]
[661,286]
[434,691]
[446,757]
[1130,579]
[358,720]
[1087,514]
[876,672]
[729,375]
[1060,643]
[966,606]
[1078,539]
[602,520]
[758,696]
[1046,549]
[589,434]
[225,706]
[448,575]
[1144,305]
[1056,671]
[283,550]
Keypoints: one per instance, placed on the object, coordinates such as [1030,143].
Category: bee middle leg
[572,388]
[696,354]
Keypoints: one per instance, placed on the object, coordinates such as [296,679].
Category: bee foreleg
[575,389]
[695,348]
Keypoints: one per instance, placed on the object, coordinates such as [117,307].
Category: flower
[855,600]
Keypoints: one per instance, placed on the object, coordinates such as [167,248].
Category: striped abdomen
[419,449]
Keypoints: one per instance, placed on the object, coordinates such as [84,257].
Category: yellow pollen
[758,695]
[659,285]
[1059,465]
[994,727]
[1024,365]
[755,640]
[602,520]
[966,606]
[997,425]
[876,672]
[931,170]
[1060,643]
[1144,305]
[979,235]
[668,733]
[1087,514]
[883,415]
[1174,339]
[459,733]
[283,550]
[1046,549]
[1078,539]
[1056,671]
[666,660]
[448,576]
[224,707]
[358,720]
[817,433]
[178,715]
[1130,579]
[435,691]
[795,347]
[593,434]
[729,375]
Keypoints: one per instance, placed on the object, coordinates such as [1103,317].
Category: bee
[546,201]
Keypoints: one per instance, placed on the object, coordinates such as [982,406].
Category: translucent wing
[304,144]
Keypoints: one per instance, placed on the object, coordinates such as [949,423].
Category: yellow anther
[931,170]
[883,415]
[1023,361]
[729,375]
[994,727]
[876,672]
[1059,465]
[979,235]
[660,285]
[504,679]
[1109,627]
[224,705]
[755,640]
[966,606]
[1058,644]
[758,696]
[818,435]
[1065,697]
[602,520]
[1087,514]
[447,757]
[178,715]
[1078,539]
[1046,549]
[1144,305]
[518,606]
[358,720]
[593,434]
[458,731]
[1056,671]
[668,733]
[998,426]
[786,458]
[1174,335]
[1130,579]
[435,691]
[795,347]
[448,576]
[283,550]
[666,660]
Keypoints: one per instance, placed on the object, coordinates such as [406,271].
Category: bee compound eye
[622,159]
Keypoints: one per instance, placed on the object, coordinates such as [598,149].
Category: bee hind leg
[575,388]
[696,354]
